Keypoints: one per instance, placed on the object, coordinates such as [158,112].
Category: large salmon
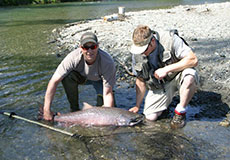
[100,116]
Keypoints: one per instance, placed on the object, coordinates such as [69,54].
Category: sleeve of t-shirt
[67,64]
[108,72]
[181,49]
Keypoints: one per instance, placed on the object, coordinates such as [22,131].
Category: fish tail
[40,112]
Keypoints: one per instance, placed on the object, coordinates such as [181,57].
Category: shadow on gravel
[204,106]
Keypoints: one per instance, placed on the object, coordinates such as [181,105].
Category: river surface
[27,64]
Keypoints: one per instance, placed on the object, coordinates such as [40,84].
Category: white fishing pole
[13,115]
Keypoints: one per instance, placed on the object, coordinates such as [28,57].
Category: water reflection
[153,142]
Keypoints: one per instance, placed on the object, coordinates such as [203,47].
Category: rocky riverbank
[205,27]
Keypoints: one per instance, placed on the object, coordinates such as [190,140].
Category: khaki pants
[158,100]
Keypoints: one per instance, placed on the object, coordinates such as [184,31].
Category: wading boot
[178,121]
[100,101]
[70,84]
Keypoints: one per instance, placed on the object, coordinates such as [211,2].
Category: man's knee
[189,81]
[153,116]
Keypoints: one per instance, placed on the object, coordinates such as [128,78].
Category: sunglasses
[94,46]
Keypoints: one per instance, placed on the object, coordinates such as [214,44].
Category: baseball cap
[142,36]
[88,37]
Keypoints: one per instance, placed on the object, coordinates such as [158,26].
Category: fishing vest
[165,56]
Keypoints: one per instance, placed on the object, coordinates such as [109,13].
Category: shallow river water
[27,64]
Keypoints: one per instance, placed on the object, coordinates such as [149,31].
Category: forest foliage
[24,2]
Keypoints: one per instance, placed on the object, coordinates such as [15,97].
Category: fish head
[136,120]
[132,120]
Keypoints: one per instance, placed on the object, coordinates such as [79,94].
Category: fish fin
[86,106]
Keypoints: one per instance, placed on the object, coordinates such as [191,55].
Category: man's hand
[48,115]
[160,73]
[135,109]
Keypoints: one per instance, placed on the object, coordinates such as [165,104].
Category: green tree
[23,2]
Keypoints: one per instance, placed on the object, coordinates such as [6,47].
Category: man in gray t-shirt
[88,64]
[163,64]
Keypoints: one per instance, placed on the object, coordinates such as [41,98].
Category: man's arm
[188,61]
[140,93]
[50,91]
[108,96]
[109,79]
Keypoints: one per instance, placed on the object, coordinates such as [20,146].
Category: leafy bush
[22,2]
